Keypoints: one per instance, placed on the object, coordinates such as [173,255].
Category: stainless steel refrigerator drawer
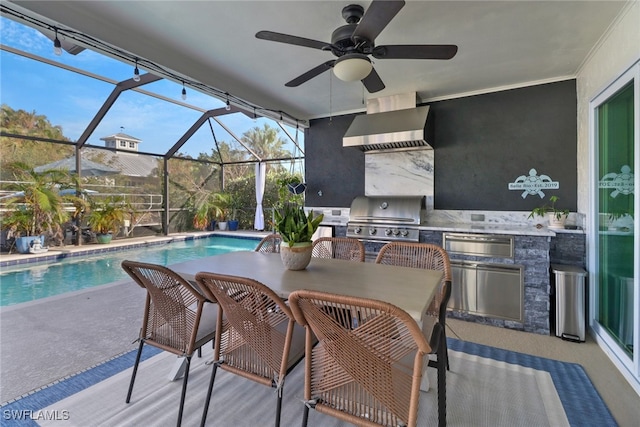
[491,290]
[500,291]
[463,287]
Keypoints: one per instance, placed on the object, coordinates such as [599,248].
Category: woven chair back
[256,333]
[173,308]
[269,243]
[368,362]
[338,248]
[420,255]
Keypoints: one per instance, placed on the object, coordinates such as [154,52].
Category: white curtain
[261,177]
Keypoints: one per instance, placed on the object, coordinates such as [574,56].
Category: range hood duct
[401,128]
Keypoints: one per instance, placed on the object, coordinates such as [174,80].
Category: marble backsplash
[495,218]
[400,173]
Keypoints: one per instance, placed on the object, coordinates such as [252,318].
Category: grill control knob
[404,233]
[396,232]
[357,230]
[387,232]
[372,231]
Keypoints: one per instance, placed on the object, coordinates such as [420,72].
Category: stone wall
[531,252]
[569,249]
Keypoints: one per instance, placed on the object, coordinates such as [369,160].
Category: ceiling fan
[354,42]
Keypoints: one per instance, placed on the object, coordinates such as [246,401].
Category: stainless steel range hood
[390,123]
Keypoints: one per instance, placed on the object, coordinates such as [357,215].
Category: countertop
[511,229]
[512,223]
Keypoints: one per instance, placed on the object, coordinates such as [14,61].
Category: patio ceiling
[501,44]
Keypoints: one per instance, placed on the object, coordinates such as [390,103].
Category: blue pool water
[28,282]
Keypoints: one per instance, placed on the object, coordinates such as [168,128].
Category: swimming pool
[28,282]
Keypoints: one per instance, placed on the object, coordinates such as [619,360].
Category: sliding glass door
[614,240]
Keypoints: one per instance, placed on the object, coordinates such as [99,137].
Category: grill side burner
[386,218]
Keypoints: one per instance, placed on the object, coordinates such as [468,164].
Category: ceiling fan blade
[415,51]
[295,40]
[375,19]
[311,74]
[373,82]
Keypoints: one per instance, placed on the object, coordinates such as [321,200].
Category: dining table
[410,289]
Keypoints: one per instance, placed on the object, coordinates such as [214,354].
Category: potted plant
[296,229]
[286,183]
[296,186]
[106,217]
[38,207]
[207,208]
[17,225]
[222,201]
[619,219]
[234,206]
[557,217]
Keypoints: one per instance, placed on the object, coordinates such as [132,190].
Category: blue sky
[71,100]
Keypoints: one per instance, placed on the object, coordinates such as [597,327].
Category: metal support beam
[230,132]
[196,125]
[78,220]
[120,87]
[165,213]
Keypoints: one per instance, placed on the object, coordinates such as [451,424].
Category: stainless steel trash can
[570,301]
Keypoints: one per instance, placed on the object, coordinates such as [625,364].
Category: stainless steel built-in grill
[386,218]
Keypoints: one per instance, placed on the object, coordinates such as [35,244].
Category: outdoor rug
[486,386]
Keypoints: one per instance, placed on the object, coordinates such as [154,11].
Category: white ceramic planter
[296,257]
[556,223]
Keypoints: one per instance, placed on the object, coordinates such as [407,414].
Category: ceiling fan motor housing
[352,13]
[341,37]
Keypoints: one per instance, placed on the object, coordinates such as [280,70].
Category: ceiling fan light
[350,68]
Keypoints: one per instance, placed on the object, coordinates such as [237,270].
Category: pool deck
[49,339]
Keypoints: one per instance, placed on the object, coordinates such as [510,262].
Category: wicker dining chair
[338,248]
[257,339]
[177,318]
[369,360]
[428,256]
[269,243]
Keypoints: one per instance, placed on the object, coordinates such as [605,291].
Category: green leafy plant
[207,207]
[40,204]
[295,226]
[550,208]
[108,215]
[18,222]
[292,179]
[285,196]
[617,213]
[223,203]
[235,206]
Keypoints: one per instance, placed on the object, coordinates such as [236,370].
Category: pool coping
[12,260]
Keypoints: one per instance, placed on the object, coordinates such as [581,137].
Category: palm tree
[265,142]
[38,207]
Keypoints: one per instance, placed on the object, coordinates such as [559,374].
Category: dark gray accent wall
[335,170]
[482,143]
